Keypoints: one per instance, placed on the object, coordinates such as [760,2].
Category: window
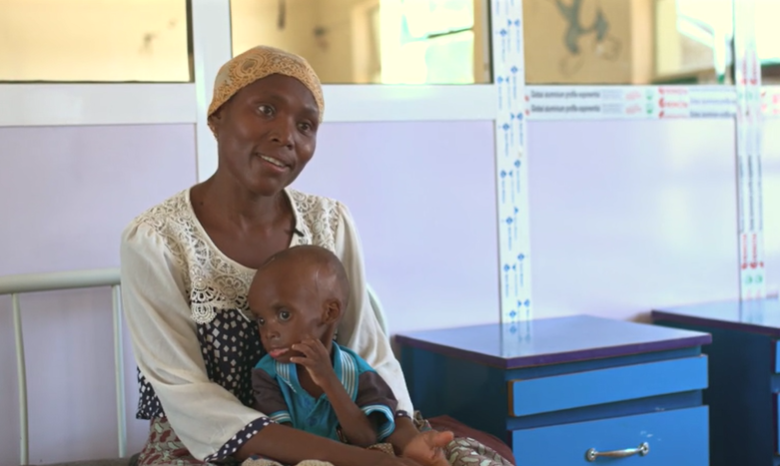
[94,41]
[373,41]
[429,41]
[768,40]
[628,41]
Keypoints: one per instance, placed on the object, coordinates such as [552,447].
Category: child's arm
[268,397]
[376,398]
[291,446]
[355,424]
[427,448]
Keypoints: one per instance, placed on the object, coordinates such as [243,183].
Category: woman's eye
[266,110]
[305,127]
[260,321]
[284,315]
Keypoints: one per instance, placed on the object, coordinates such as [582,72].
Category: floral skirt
[164,448]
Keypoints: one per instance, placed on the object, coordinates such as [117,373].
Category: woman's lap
[463,431]
[164,448]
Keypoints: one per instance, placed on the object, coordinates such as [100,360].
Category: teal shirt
[279,395]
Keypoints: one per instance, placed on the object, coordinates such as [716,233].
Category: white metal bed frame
[15,285]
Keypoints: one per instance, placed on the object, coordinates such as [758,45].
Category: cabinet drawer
[776,352]
[548,394]
[776,422]
[678,437]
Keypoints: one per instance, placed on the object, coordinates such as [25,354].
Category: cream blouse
[193,337]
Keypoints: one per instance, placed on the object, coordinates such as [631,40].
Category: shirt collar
[346,370]
[286,372]
[344,365]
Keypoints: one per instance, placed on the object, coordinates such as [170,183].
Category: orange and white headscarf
[257,63]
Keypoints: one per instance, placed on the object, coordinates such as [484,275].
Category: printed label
[619,102]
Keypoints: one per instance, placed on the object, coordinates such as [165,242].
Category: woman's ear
[214,120]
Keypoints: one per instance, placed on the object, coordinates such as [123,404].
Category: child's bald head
[298,294]
[313,264]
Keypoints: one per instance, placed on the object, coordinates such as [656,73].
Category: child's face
[289,308]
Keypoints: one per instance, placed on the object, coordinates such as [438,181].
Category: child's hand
[427,448]
[316,361]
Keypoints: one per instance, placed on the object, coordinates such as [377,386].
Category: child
[307,380]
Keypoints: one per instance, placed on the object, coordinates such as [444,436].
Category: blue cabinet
[744,376]
[570,390]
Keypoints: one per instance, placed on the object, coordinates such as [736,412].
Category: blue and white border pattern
[749,136]
[511,164]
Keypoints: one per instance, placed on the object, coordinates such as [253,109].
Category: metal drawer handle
[591,455]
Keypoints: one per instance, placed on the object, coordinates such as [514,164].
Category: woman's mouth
[273,161]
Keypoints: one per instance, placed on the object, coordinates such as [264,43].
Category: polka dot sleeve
[186,375]
[232,445]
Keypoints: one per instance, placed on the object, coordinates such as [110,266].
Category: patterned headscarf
[257,63]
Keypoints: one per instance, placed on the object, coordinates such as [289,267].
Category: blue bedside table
[573,390]
[744,376]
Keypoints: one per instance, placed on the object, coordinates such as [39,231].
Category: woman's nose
[283,132]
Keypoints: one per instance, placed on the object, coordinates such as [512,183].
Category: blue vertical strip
[749,133]
[511,167]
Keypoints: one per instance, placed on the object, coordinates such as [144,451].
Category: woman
[187,264]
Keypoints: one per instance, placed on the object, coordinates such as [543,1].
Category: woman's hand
[316,361]
[427,448]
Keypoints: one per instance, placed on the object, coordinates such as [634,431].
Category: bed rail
[14,285]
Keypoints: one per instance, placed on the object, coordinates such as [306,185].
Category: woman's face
[267,133]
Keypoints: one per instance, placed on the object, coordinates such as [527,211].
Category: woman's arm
[204,415]
[291,446]
[359,329]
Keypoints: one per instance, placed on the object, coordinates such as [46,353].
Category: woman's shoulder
[319,217]
[163,219]
[310,203]
[315,209]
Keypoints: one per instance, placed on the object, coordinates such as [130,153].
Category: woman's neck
[236,205]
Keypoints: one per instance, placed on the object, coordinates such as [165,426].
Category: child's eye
[260,321]
[284,315]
